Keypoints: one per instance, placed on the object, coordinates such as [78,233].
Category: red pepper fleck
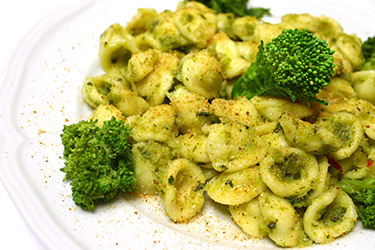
[369,163]
[335,164]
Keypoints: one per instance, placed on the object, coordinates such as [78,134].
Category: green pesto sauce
[289,169]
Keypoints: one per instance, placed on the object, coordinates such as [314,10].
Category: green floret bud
[367,215]
[295,64]
[368,48]
[368,51]
[98,161]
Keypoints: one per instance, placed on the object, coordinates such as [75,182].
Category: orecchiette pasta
[321,184]
[273,108]
[301,21]
[267,128]
[165,33]
[356,166]
[366,112]
[240,110]
[191,146]
[342,67]
[127,101]
[105,112]
[154,87]
[281,220]
[224,22]
[330,215]
[248,49]
[115,50]
[231,62]
[249,218]
[139,22]
[276,140]
[348,129]
[350,47]
[150,157]
[310,137]
[244,27]
[266,32]
[196,26]
[95,89]
[181,189]
[364,85]
[329,28]
[232,147]
[140,65]
[192,110]
[156,124]
[201,74]
[236,188]
[339,95]
[272,162]
[289,171]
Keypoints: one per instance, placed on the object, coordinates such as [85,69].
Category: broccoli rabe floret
[98,161]
[368,51]
[362,193]
[295,64]
[237,7]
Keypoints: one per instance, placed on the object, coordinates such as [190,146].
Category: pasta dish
[274,162]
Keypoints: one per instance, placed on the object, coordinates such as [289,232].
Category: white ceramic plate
[40,92]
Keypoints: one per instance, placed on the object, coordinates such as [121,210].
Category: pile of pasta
[272,161]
